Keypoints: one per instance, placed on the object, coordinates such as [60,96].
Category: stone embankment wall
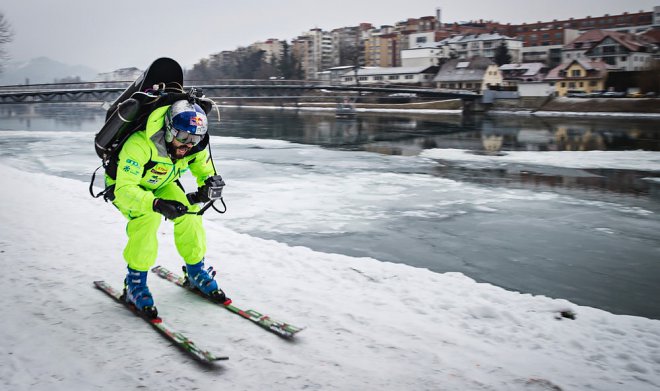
[597,105]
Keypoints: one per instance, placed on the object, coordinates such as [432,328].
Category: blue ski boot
[203,281]
[137,293]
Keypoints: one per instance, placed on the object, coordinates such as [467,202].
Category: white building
[476,74]
[416,40]
[483,45]
[393,75]
[461,46]
[423,55]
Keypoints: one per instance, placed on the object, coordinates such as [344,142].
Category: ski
[280,328]
[178,339]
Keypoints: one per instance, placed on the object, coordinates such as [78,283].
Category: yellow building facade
[578,76]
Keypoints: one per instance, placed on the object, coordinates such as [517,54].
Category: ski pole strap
[107,193]
[223,204]
[207,206]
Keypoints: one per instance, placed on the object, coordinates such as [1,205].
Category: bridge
[235,90]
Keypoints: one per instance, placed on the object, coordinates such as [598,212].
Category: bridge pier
[475,106]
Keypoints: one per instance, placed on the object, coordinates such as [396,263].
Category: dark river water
[360,187]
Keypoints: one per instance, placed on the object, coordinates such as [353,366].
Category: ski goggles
[185,137]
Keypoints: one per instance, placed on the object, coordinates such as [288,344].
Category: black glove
[170,209]
[212,189]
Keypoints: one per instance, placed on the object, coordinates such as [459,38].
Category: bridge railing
[108,91]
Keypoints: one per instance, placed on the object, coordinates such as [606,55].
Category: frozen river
[495,198]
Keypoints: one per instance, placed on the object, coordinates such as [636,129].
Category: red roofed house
[582,75]
[624,51]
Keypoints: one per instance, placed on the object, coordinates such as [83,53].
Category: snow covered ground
[370,325]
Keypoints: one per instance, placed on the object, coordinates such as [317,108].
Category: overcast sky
[107,35]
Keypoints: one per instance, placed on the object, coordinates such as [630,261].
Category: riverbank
[580,105]
[562,106]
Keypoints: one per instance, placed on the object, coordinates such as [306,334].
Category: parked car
[595,94]
[614,94]
[650,94]
[576,94]
[635,95]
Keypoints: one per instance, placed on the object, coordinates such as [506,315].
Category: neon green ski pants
[189,235]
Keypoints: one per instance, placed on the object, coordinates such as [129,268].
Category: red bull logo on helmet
[196,121]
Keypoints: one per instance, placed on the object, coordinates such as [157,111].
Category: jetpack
[160,85]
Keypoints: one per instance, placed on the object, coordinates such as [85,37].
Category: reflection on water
[397,134]
[52,116]
[406,134]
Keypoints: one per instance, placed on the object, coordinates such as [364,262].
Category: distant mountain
[43,70]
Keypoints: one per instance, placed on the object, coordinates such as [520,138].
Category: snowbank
[371,325]
[622,160]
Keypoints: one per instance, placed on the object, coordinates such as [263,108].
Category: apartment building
[382,50]
[348,44]
[428,55]
[272,49]
[483,45]
[314,50]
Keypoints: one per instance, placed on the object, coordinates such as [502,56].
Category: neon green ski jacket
[144,166]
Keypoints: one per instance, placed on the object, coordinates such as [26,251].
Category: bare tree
[351,54]
[6,36]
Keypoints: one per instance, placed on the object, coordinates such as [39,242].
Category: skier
[146,188]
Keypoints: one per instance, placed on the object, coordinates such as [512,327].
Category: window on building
[408,77]
[576,73]
[477,86]
[363,78]
[393,77]
[571,84]
[593,83]
[624,58]
[420,40]
[581,84]
[563,84]
[609,49]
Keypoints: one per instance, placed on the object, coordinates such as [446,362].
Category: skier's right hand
[169,208]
